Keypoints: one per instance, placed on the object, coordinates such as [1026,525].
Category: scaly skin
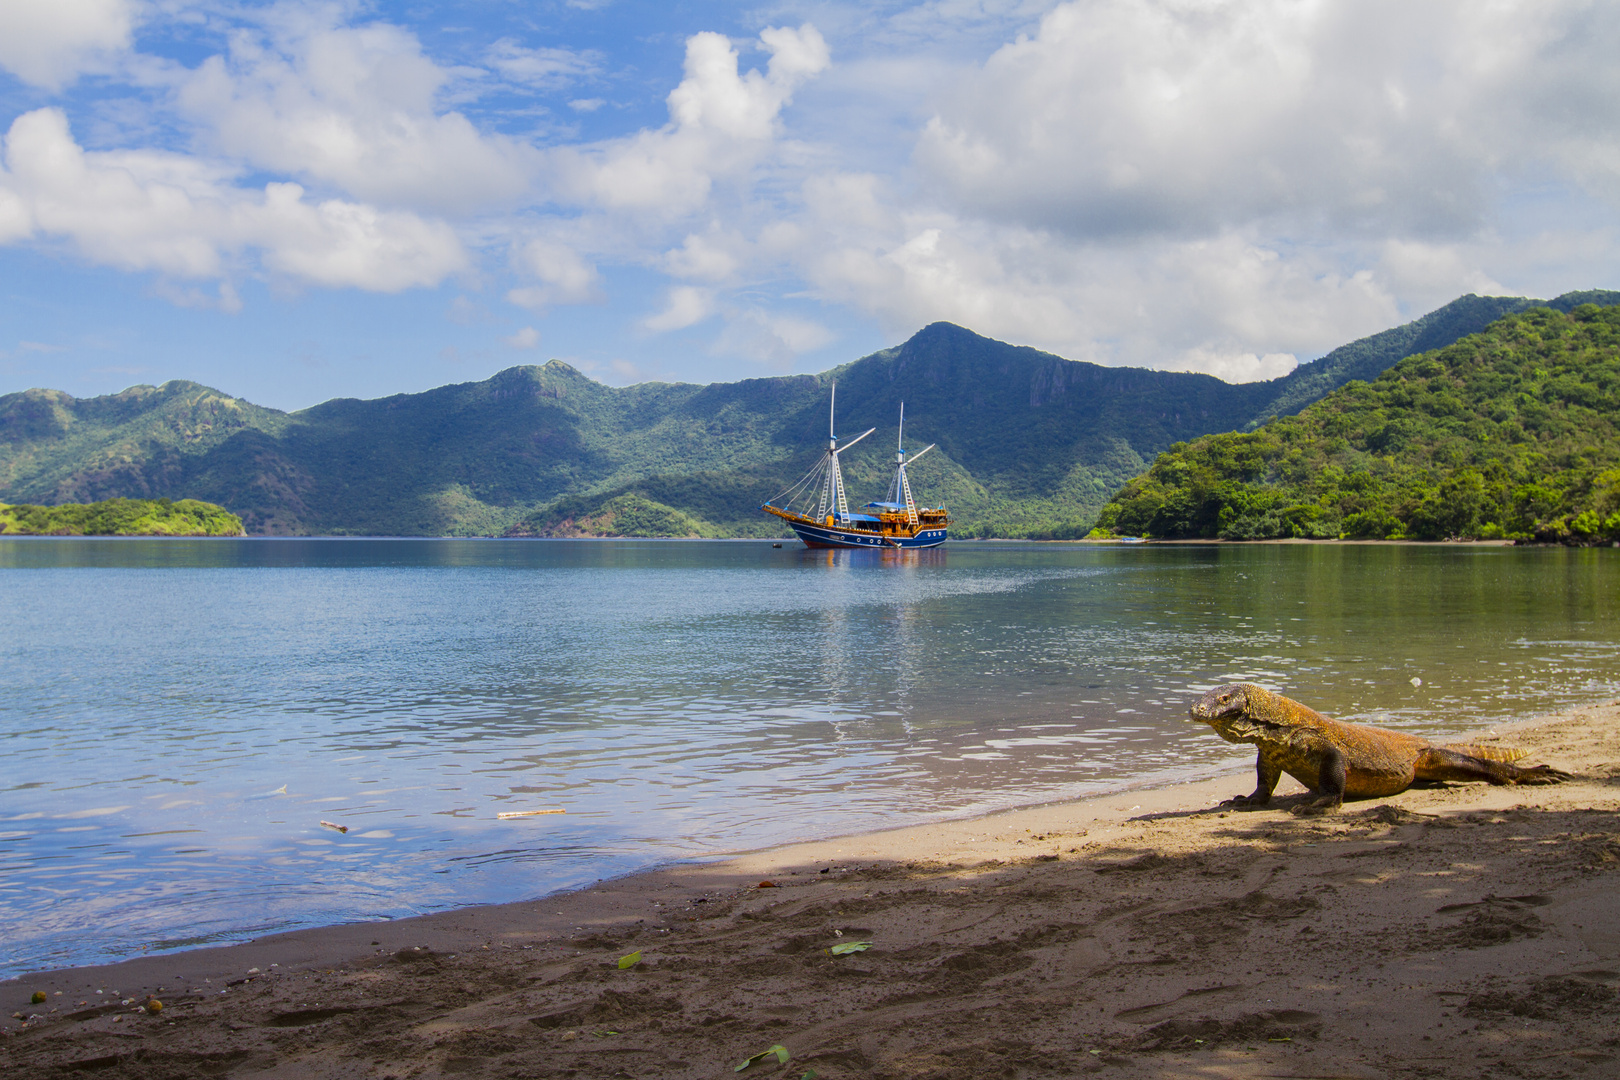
[1337,760]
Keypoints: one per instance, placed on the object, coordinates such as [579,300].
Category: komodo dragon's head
[1227,709]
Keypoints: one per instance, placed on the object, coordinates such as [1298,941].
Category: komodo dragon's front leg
[1323,768]
[1267,771]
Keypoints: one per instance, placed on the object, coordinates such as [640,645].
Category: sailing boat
[897,523]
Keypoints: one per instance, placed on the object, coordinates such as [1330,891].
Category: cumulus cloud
[563,276]
[1221,304]
[50,43]
[721,122]
[685,306]
[1235,367]
[1225,185]
[181,217]
[711,258]
[353,108]
[1186,117]
[1211,185]
[770,338]
[526,338]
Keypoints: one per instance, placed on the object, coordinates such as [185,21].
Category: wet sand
[1449,931]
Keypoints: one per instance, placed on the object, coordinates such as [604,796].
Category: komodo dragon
[1335,759]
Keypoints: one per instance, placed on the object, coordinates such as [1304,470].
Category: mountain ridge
[1030,443]
[1513,432]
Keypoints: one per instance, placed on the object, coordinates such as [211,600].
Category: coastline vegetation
[120,517]
[1509,433]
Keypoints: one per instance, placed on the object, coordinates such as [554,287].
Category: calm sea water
[177,717]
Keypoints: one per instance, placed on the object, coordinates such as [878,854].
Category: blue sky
[297,201]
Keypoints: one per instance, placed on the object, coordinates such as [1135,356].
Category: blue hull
[829,536]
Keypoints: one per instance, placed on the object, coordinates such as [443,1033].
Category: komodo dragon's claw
[1540,774]
[1325,805]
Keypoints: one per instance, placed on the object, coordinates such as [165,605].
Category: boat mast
[902,482]
[832,488]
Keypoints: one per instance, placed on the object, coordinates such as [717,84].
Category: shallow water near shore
[178,717]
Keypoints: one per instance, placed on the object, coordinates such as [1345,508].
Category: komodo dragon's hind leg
[1438,763]
[1333,773]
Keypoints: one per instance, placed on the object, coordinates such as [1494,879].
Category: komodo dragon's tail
[1497,765]
[1505,754]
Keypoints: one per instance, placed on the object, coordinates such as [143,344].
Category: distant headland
[121,517]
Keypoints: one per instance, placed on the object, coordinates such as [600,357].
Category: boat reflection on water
[831,557]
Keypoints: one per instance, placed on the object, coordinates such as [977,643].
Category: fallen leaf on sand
[844,948]
[630,961]
[778,1051]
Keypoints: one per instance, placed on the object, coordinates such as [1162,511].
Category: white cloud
[542,67]
[526,338]
[686,306]
[1187,117]
[225,297]
[1224,186]
[564,276]
[721,123]
[354,108]
[1199,304]
[1214,185]
[1234,367]
[1420,268]
[714,96]
[50,43]
[769,338]
[336,243]
[149,210]
[712,258]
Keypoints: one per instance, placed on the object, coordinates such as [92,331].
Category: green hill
[1030,444]
[120,517]
[1513,432]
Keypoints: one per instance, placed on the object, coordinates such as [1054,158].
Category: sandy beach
[1449,931]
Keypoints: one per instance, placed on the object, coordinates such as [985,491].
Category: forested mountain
[1513,432]
[1030,444]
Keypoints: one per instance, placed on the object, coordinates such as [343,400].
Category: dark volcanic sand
[1452,931]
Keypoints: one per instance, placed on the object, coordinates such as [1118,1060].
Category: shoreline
[1142,932]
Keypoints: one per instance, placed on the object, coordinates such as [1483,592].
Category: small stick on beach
[504,814]
[335,825]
